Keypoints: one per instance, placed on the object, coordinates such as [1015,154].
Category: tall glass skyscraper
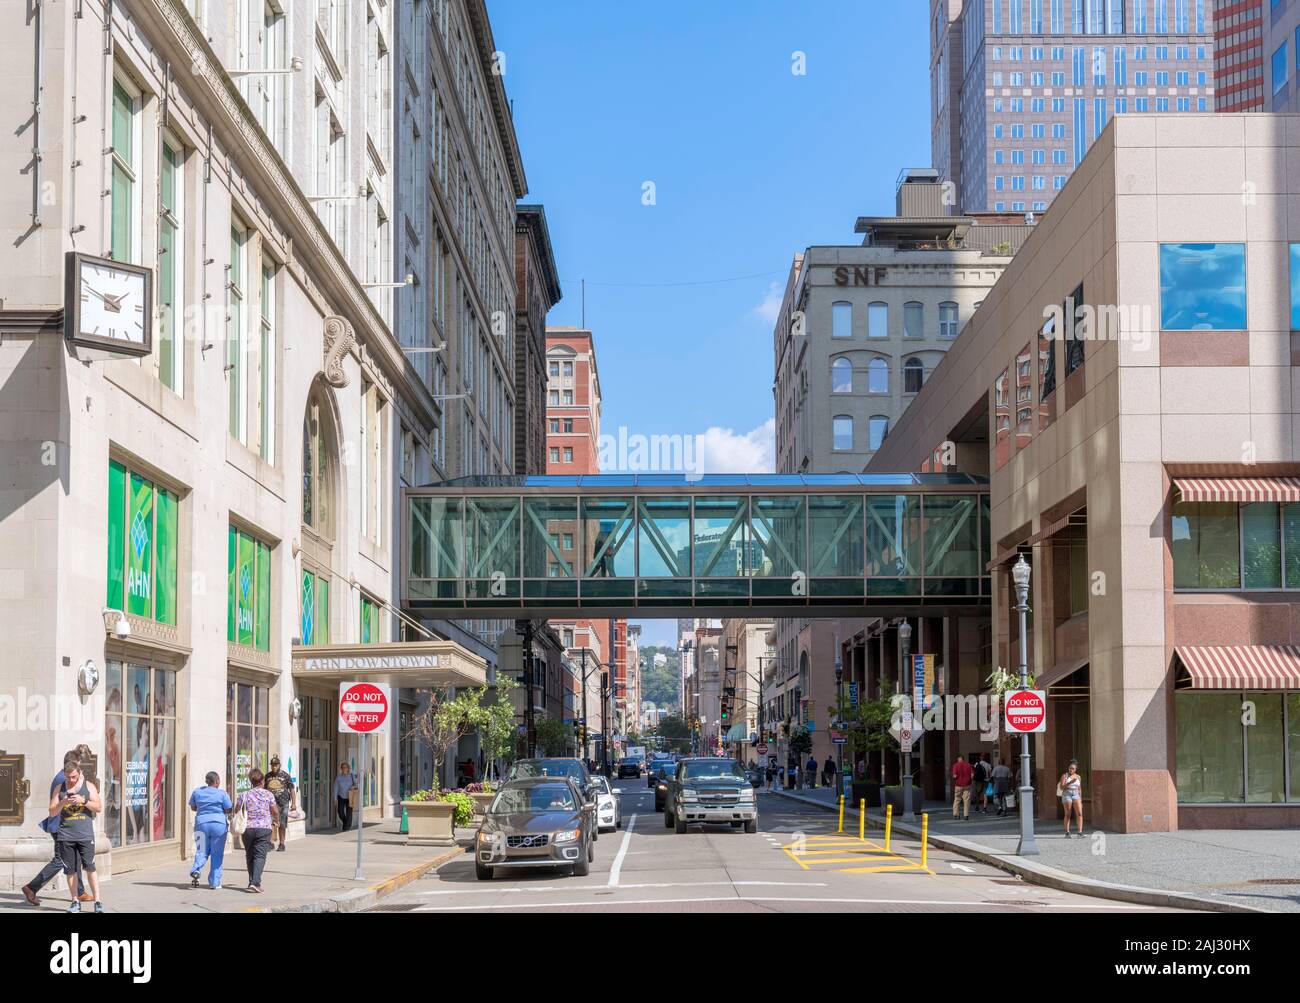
[1020,89]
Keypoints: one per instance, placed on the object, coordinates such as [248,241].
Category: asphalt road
[796,862]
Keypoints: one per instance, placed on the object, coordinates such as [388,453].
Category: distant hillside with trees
[660,684]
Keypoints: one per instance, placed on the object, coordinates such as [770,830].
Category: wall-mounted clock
[108,305]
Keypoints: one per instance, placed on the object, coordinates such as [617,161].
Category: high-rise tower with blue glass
[1021,88]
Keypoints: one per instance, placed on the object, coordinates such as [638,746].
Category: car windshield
[534,797]
[666,769]
[601,783]
[547,768]
[712,768]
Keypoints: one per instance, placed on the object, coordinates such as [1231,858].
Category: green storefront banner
[248,590]
[142,541]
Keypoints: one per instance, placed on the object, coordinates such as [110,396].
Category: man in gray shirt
[343,783]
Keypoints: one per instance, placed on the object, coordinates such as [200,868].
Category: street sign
[905,739]
[1025,711]
[839,738]
[761,748]
[853,694]
[523,729]
[907,721]
[363,708]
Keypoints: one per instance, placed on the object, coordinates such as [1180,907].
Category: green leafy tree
[867,725]
[675,732]
[445,720]
[553,736]
[661,684]
[800,741]
[497,732]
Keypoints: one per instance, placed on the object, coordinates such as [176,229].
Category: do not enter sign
[1026,711]
[363,708]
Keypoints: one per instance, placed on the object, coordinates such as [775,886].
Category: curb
[1049,877]
[361,899]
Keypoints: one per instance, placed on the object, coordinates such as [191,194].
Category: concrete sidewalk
[314,874]
[1225,870]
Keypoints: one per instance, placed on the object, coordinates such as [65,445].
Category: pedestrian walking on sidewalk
[55,867]
[343,783]
[211,805]
[828,772]
[961,777]
[810,768]
[75,803]
[772,774]
[1071,790]
[262,814]
[980,782]
[1001,785]
[280,785]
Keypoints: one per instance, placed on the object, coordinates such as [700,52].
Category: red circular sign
[363,707]
[1026,711]
[761,748]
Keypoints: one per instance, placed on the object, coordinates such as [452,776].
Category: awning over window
[1238,489]
[1242,667]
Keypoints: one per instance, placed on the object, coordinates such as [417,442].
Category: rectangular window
[248,590]
[947,320]
[124,191]
[314,608]
[138,775]
[1002,419]
[568,454]
[248,727]
[1080,130]
[1203,287]
[370,620]
[372,437]
[171,269]
[267,351]
[842,432]
[1261,546]
[914,319]
[878,320]
[1047,373]
[235,299]
[142,539]
[1206,546]
[1074,338]
[1210,747]
[1280,68]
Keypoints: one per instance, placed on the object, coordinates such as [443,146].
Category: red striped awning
[1238,489]
[1243,667]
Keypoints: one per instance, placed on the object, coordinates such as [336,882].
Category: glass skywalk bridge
[656,544]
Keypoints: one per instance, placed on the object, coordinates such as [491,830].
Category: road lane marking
[961,867]
[601,889]
[622,852]
[945,903]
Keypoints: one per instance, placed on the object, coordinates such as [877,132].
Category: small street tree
[498,731]
[553,736]
[445,720]
[867,725]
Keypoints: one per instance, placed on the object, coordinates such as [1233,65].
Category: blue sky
[750,163]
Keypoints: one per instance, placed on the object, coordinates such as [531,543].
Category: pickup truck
[710,791]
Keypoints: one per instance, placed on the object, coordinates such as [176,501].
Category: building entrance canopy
[628,545]
[406,664]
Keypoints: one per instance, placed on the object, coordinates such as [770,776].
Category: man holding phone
[75,803]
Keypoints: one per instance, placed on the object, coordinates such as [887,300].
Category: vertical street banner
[924,686]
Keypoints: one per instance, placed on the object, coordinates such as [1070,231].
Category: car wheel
[583,867]
[751,825]
[482,871]
[679,825]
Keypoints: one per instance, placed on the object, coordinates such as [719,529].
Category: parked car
[710,791]
[609,806]
[629,768]
[664,771]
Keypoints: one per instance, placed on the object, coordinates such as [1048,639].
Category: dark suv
[629,768]
[710,791]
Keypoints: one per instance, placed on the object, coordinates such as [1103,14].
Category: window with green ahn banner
[142,534]
[248,590]
[369,621]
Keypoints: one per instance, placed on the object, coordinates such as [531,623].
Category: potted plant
[431,821]
[867,729]
[482,794]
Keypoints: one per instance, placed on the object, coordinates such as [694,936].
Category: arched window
[913,376]
[913,320]
[877,429]
[841,376]
[841,320]
[878,320]
[318,468]
[842,431]
[877,376]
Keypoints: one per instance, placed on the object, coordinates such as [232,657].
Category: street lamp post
[905,635]
[1028,847]
[584,705]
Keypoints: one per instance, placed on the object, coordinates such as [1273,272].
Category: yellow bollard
[925,832]
[889,823]
[841,813]
[862,820]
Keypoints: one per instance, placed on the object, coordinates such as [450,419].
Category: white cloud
[770,308]
[724,451]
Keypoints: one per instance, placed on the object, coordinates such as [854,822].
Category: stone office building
[200,518]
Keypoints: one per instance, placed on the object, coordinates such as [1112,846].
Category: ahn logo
[103,957]
[138,574]
[245,584]
[139,535]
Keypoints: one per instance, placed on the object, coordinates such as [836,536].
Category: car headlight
[688,794]
[662,787]
[567,835]
[486,837]
[747,794]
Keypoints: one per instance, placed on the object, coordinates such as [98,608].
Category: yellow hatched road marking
[884,867]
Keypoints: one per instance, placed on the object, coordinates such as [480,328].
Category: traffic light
[726,712]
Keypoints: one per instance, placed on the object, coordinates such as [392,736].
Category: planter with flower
[431,819]
[482,794]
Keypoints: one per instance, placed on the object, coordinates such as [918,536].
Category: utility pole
[584,705]
[604,721]
[526,628]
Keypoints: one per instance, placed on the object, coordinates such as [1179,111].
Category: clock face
[112,303]
[109,305]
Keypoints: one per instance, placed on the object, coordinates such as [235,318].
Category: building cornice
[218,100]
[532,219]
[505,119]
